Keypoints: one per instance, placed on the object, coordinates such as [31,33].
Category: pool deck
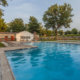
[5,69]
[65,41]
[69,42]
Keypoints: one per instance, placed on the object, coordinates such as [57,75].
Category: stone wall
[61,38]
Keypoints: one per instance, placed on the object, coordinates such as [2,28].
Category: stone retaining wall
[61,38]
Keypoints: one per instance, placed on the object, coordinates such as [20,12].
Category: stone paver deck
[69,41]
[66,41]
[5,70]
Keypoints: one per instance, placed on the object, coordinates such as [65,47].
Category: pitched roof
[25,32]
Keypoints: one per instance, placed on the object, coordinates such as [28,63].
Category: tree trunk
[46,32]
[56,34]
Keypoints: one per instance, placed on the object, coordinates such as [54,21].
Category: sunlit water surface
[50,61]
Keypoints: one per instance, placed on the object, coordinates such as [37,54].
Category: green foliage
[74,31]
[3,2]
[2,45]
[26,27]
[58,16]
[60,32]
[43,32]
[1,13]
[71,35]
[78,32]
[17,25]
[49,33]
[67,32]
[3,25]
[33,25]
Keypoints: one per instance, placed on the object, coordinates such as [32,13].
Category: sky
[26,8]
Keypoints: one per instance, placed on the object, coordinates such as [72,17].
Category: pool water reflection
[50,61]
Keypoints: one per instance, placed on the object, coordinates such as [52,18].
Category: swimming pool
[50,61]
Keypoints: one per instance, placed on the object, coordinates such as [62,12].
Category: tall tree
[58,16]
[42,30]
[74,31]
[67,32]
[3,2]
[61,32]
[33,25]
[1,13]
[17,25]
[26,27]
[3,25]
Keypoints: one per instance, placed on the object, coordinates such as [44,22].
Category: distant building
[24,36]
[21,36]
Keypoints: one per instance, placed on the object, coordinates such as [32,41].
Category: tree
[3,2]
[79,32]
[61,32]
[17,25]
[67,32]
[26,27]
[74,31]
[42,31]
[49,32]
[3,25]
[33,25]
[1,13]
[58,16]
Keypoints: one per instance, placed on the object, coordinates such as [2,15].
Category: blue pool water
[50,61]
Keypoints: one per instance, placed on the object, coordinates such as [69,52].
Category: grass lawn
[2,45]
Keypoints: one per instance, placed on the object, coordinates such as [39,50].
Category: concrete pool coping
[6,71]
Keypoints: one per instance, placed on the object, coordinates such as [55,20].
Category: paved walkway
[66,41]
[5,70]
[0,71]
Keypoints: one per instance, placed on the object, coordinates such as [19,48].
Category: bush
[74,31]
[72,35]
[2,45]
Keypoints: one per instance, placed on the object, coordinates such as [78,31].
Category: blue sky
[26,8]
